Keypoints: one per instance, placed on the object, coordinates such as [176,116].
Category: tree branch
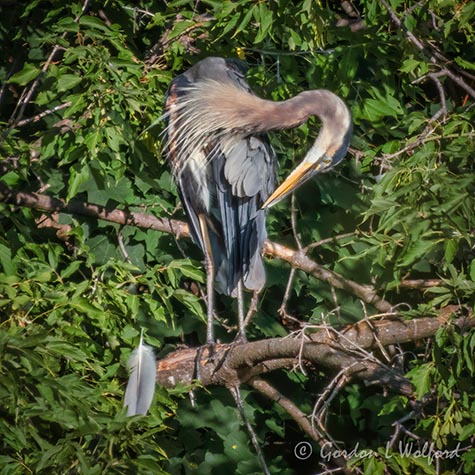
[77,207]
[231,364]
[297,259]
[296,414]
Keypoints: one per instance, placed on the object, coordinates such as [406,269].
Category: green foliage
[74,291]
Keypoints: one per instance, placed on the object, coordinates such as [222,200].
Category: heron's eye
[327,161]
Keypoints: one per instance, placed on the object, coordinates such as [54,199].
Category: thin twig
[288,288]
[293,221]
[443,109]
[300,359]
[252,307]
[376,339]
[323,402]
[27,93]
[428,130]
[39,116]
[139,10]
[236,393]
[120,240]
[322,242]
[433,57]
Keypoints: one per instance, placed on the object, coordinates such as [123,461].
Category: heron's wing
[245,175]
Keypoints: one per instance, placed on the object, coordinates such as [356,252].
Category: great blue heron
[225,167]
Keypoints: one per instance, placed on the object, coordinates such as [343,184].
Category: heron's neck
[248,112]
[332,112]
[215,108]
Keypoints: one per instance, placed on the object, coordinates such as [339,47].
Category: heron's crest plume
[209,112]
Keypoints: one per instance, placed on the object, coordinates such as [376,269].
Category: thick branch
[232,364]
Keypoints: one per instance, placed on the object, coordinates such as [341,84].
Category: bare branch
[297,415]
[39,116]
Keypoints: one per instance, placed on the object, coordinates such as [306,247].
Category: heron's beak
[300,175]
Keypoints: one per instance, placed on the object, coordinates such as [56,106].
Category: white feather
[141,385]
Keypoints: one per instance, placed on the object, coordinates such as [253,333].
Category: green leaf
[188,269]
[451,248]
[410,65]
[92,140]
[415,252]
[71,269]
[245,21]
[377,109]
[94,23]
[67,82]
[76,179]
[27,74]
[66,350]
[265,23]
[420,376]
[86,307]
[6,260]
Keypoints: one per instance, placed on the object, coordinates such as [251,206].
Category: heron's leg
[210,299]
[240,302]
[209,267]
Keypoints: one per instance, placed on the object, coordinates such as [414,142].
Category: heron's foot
[240,338]
[204,355]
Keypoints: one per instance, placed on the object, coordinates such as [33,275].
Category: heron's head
[327,151]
